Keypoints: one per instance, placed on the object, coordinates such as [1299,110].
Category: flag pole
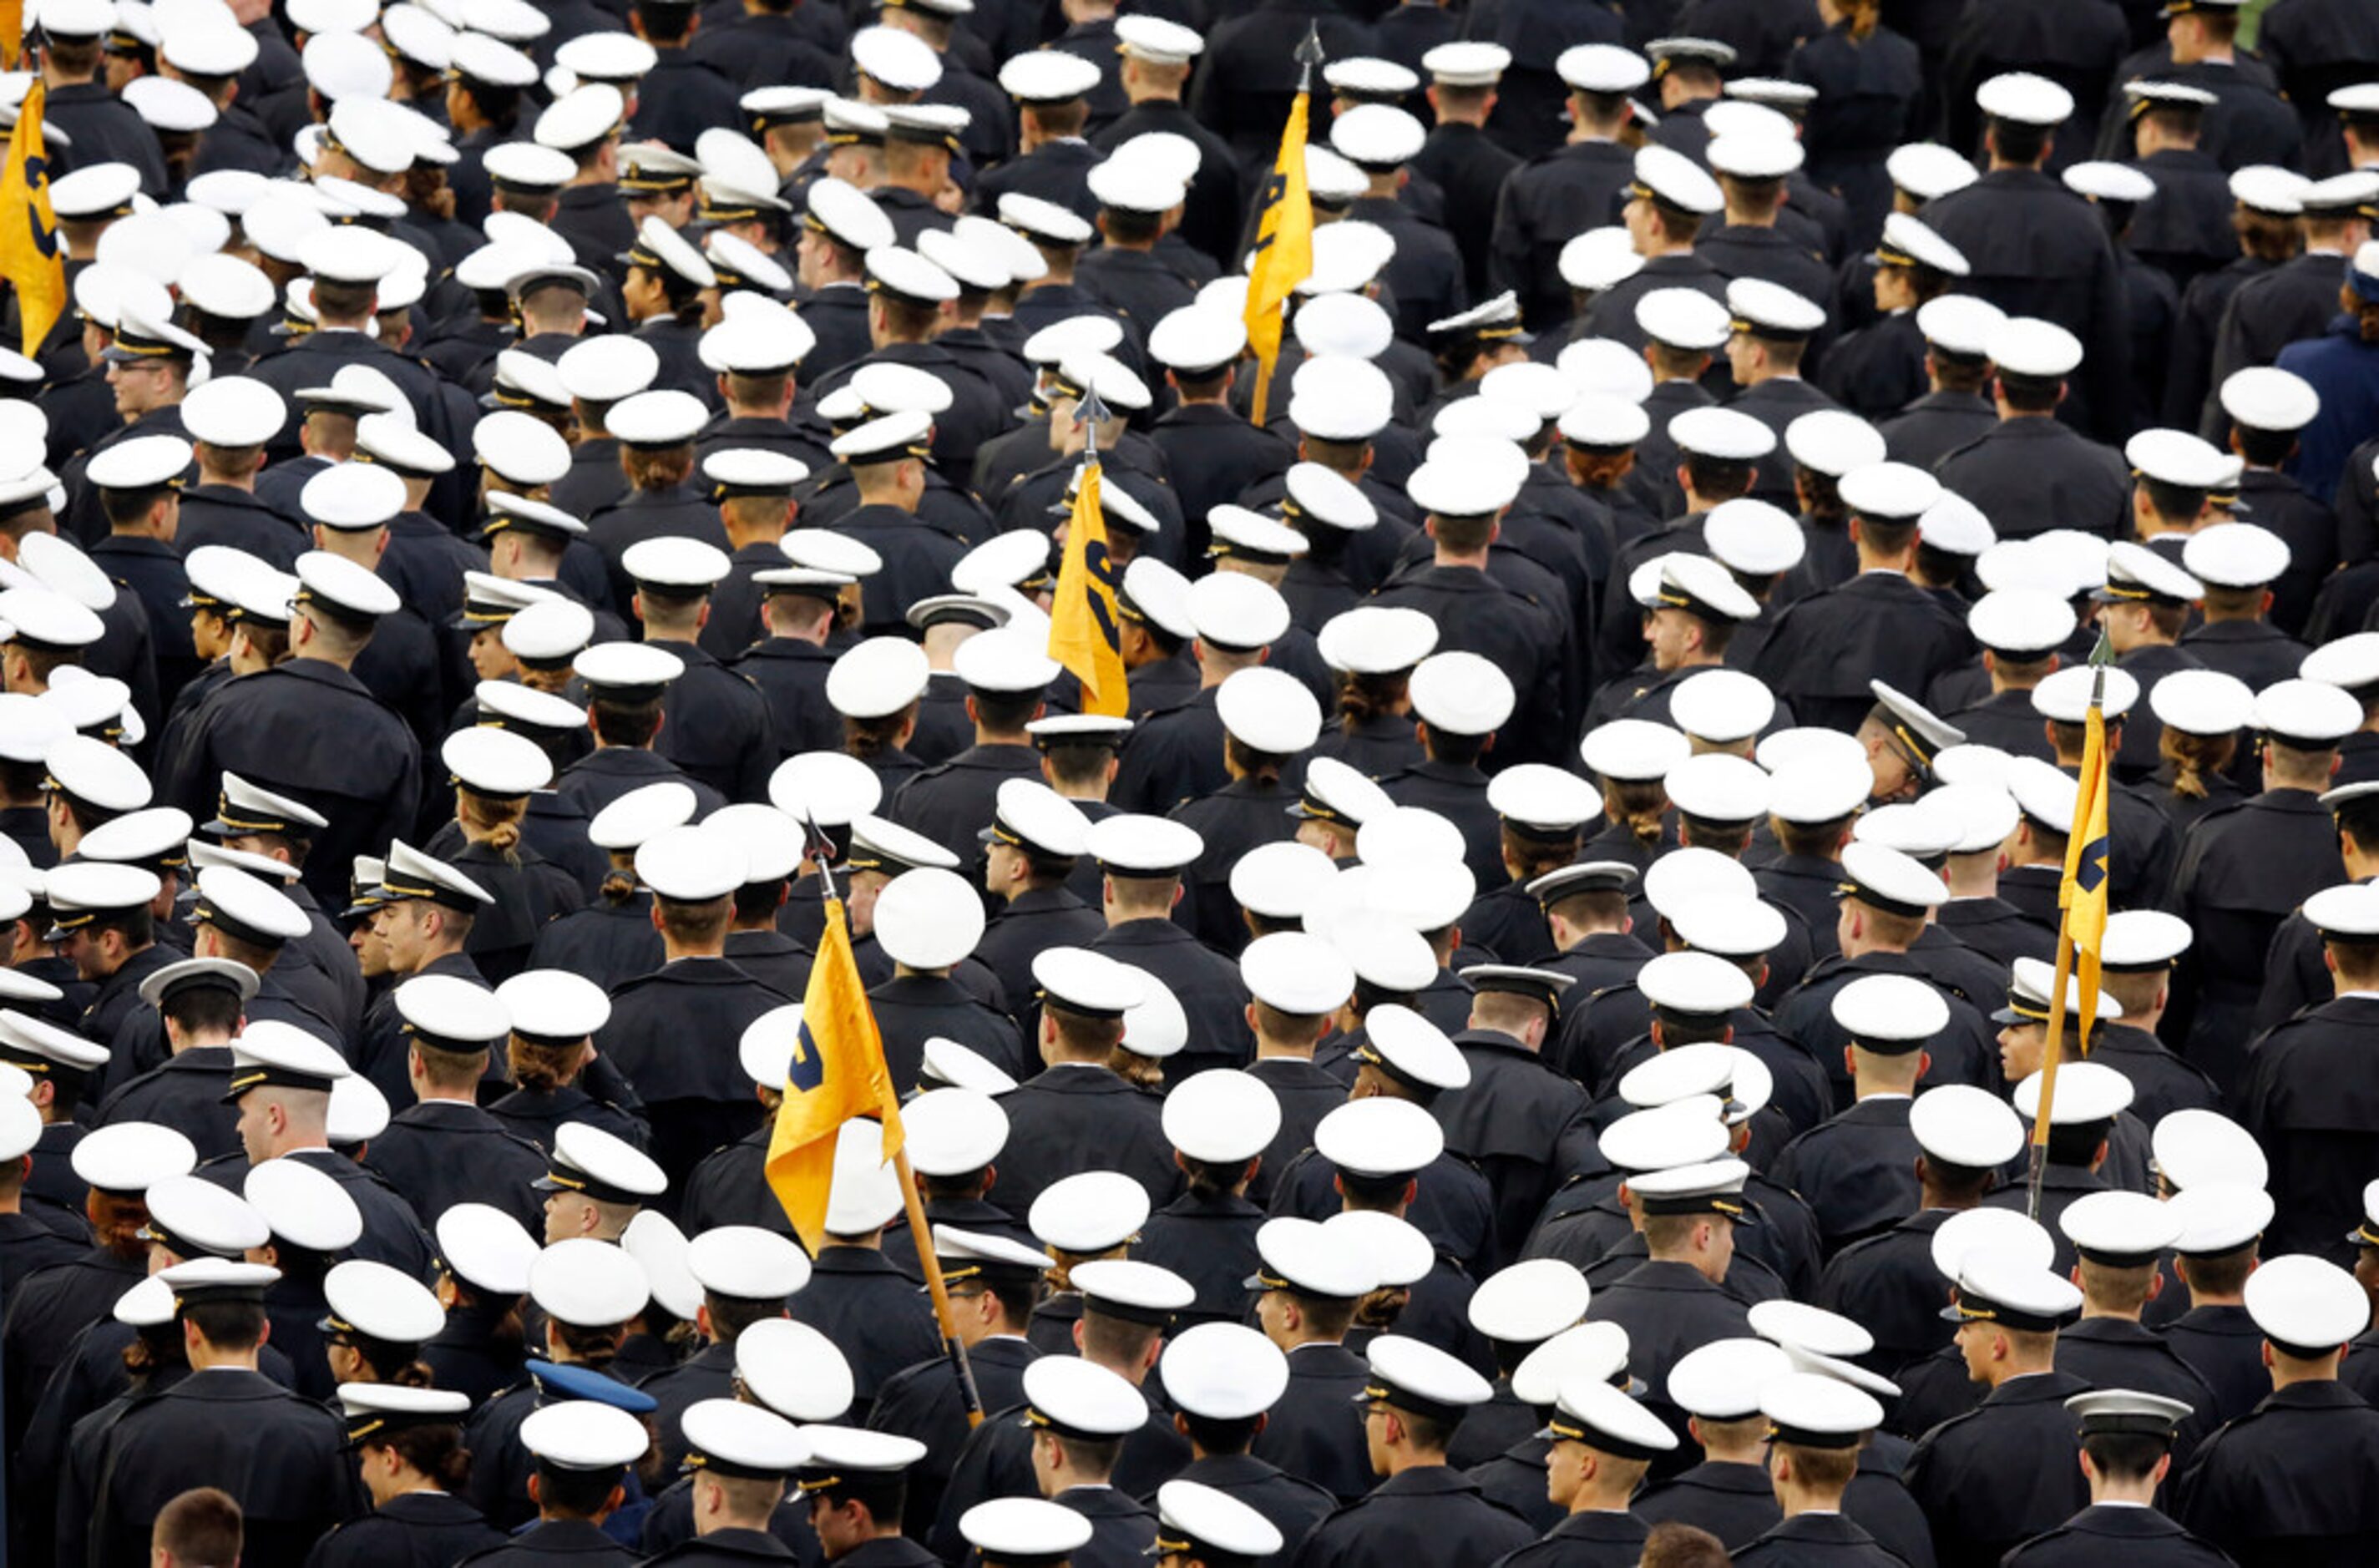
[920,1229]
[2039,1168]
[2100,657]
[1308,54]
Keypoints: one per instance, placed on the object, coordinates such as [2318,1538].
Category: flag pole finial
[2102,658]
[1090,411]
[1308,54]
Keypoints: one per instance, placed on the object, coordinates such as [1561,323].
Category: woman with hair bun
[408,1446]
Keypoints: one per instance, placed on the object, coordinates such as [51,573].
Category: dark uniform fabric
[1668,1310]
[997,1462]
[2241,871]
[1858,1172]
[422,1529]
[2117,1353]
[2307,1097]
[1735,1503]
[1206,984]
[1595,1539]
[1522,1123]
[1429,1504]
[1210,1242]
[922,1401]
[695,1101]
[2001,1474]
[2101,1533]
[2269,1486]
[2037,250]
[867,1307]
[1027,925]
[1072,1118]
[2223,1345]
[442,1153]
[309,730]
[558,1543]
[281,1455]
[1877,626]
[1818,1540]
[1314,1431]
[1935,425]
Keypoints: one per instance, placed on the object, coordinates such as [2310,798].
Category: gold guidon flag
[1284,251]
[2083,893]
[1084,635]
[837,1073]
[29,257]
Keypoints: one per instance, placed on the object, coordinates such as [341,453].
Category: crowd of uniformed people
[1535,1038]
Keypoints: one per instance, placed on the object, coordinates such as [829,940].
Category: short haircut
[1090,1455]
[1431,1433]
[626,723]
[2181,503]
[1081,1033]
[227,1325]
[203,1010]
[201,1526]
[1466,535]
[1887,536]
[2125,1456]
[694,923]
[1674,1545]
[2020,143]
[2030,394]
[127,507]
[1721,478]
[2222,1273]
[1219,1436]
[578,1494]
[1005,711]
[343,299]
[1111,1340]
[1827,1469]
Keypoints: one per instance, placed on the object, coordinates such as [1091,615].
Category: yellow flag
[12,34]
[2083,893]
[837,1072]
[28,230]
[1283,256]
[1083,633]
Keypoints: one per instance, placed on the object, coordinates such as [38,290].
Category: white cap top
[1677,181]
[2306,1302]
[2310,715]
[1721,1380]
[2203,702]
[1602,68]
[2194,1148]
[1962,1125]
[2118,1229]
[2264,397]
[2026,347]
[2086,1092]
[2025,99]
[2236,555]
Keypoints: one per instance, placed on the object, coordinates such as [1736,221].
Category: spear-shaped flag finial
[1308,54]
[1089,411]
